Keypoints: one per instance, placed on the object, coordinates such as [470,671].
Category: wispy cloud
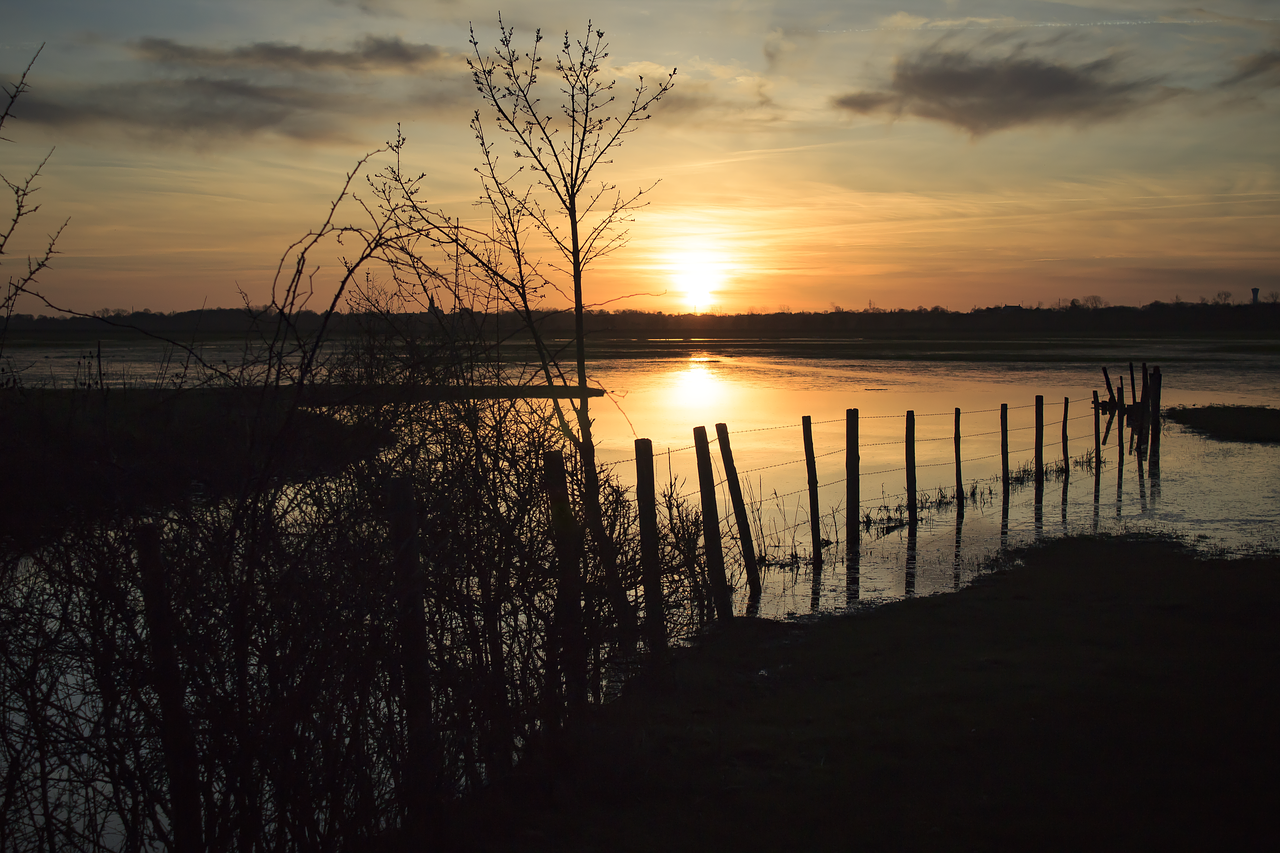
[372,53]
[983,94]
[1261,68]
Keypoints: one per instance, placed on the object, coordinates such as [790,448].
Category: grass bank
[1106,694]
[1230,423]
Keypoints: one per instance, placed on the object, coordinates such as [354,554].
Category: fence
[1143,416]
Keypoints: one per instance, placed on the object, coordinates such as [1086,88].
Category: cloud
[372,53]
[985,94]
[202,96]
[908,21]
[381,8]
[1258,69]
[200,108]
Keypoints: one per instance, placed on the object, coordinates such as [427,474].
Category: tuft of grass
[1230,423]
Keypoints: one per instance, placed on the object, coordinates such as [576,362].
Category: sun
[698,274]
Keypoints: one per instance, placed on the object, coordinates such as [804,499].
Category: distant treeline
[1073,319]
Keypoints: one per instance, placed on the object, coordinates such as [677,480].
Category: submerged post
[712,546]
[959,475]
[739,512]
[1004,447]
[1039,442]
[911,467]
[852,483]
[811,465]
[655,626]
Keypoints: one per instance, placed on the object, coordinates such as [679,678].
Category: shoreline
[1112,693]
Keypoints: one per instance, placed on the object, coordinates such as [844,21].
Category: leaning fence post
[711,527]
[177,741]
[1004,447]
[410,585]
[911,467]
[811,465]
[570,645]
[853,482]
[739,512]
[655,624]
[1156,381]
[959,475]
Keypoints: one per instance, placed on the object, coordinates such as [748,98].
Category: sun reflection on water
[697,385]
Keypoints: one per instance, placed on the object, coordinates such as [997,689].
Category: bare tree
[551,193]
[23,206]
[560,146]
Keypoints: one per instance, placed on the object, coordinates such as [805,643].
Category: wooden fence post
[417,776]
[853,483]
[1156,381]
[811,465]
[911,467]
[1066,408]
[1004,447]
[177,741]
[739,512]
[569,645]
[655,624]
[1120,426]
[1097,433]
[959,475]
[1039,443]
[1143,418]
[712,546]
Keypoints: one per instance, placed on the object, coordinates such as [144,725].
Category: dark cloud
[982,94]
[866,102]
[202,96]
[1260,68]
[199,109]
[372,53]
[381,8]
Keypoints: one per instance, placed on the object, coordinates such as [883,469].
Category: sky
[813,154]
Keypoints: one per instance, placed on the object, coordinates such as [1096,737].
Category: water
[1218,496]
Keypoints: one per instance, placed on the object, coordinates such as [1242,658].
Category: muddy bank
[1104,695]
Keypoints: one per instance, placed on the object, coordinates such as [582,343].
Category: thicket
[305,658]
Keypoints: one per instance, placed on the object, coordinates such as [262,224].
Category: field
[1101,694]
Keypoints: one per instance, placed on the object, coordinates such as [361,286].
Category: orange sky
[812,154]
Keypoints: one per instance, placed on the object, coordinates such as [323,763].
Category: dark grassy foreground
[1231,423]
[1106,695]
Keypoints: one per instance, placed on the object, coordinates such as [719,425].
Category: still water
[1215,495]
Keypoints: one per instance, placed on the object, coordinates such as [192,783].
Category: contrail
[1014,25]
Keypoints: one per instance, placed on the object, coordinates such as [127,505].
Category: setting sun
[699,274]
